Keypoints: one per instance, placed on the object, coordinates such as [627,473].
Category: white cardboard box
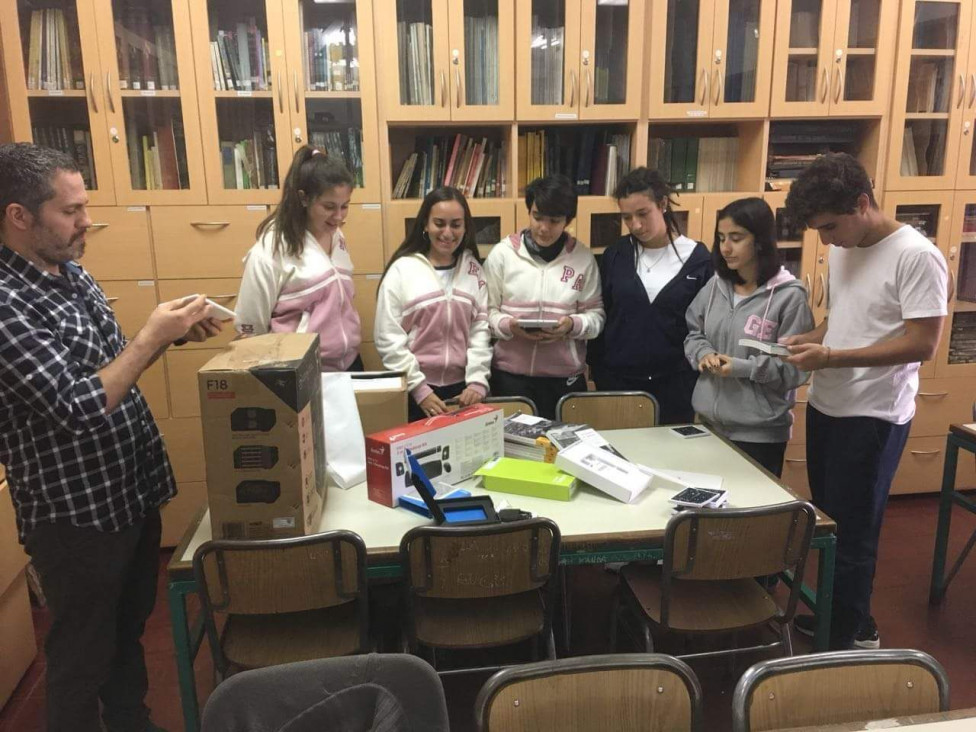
[603,470]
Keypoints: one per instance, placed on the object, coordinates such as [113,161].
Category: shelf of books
[929,99]
[151,101]
[794,144]
[52,82]
[332,97]
[593,157]
[957,352]
[492,218]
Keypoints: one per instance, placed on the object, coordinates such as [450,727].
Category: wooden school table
[953,721]
[960,436]
[596,529]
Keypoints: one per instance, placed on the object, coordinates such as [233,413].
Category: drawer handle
[98,226]
[222,297]
[796,460]
[210,223]
[933,393]
[801,401]
[110,300]
[925,452]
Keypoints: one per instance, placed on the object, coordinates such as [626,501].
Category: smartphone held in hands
[214,310]
[530,324]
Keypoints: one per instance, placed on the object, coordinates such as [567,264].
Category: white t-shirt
[873,290]
[657,267]
[446,275]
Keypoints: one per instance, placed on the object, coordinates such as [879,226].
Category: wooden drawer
[178,513]
[365,302]
[203,241]
[184,444]
[18,646]
[799,436]
[12,556]
[182,367]
[363,231]
[132,302]
[117,245]
[221,291]
[371,358]
[152,383]
[920,469]
[795,470]
[941,402]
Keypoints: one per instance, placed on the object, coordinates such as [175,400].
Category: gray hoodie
[754,403]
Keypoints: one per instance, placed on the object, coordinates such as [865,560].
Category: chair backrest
[466,562]
[736,543]
[609,410]
[837,688]
[281,575]
[314,694]
[634,691]
[514,404]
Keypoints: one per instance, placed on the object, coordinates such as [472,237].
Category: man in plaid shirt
[86,467]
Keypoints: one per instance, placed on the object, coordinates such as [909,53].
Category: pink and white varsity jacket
[308,294]
[436,335]
[521,287]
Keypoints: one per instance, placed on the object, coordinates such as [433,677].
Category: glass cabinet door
[966,175]
[957,353]
[610,58]
[54,84]
[150,96]
[482,58]
[797,245]
[548,33]
[929,94]
[801,77]
[332,102]
[861,62]
[244,93]
[742,54]
[680,67]
[412,58]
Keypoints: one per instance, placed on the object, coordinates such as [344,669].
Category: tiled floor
[901,607]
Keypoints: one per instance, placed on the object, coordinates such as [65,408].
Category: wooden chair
[625,693]
[608,410]
[511,405]
[283,600]
[707,583]
[838,688]
[471,587]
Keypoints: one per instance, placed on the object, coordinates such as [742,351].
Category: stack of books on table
[525,438]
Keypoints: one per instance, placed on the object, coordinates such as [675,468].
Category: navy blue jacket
[642,339]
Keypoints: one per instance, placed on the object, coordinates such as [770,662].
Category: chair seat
[479,623]
[700,606]
[256,641]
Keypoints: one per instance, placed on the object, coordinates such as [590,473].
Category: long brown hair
[416,240]
[312,172]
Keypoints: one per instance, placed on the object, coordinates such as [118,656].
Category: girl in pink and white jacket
[432,309]
[298,276]
[543,273]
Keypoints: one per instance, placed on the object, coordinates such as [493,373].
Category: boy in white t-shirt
[887,302]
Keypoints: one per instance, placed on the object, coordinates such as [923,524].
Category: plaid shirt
[66,458]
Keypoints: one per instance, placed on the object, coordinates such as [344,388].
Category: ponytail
[312,173]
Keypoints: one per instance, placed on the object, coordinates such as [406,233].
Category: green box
[527,478]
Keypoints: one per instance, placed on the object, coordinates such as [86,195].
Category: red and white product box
[450,447]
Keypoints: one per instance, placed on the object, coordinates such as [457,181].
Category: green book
[527,478]
[679,151]
[691,164]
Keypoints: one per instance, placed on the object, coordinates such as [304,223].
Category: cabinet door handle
[210,223]
[795,460]
[972,89]
[838,84]
[951,294]
[281,96]
[110,300]
[925,452]
[222,297]
[108,91]
[96,227]
[962,90]
[572,87]
[823,85]
[457,84]
[933,393]
[823,290]
[443,89]
[294,84]
[91,92]
[703,80]
[589,81]
[801,401]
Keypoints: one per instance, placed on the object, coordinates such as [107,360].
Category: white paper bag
[345,447]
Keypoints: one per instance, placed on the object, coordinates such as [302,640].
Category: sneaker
[867,637]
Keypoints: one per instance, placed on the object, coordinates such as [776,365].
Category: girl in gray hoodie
[743,393]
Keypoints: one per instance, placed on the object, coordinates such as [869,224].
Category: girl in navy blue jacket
[649,279]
